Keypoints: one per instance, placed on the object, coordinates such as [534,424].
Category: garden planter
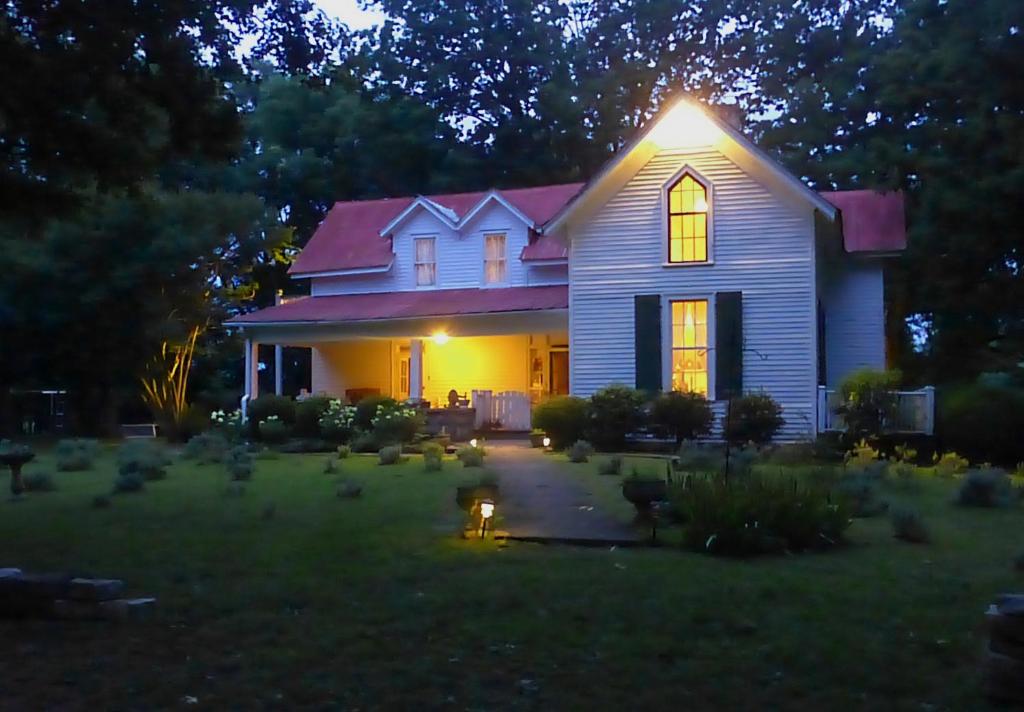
[537,439]
[643,493]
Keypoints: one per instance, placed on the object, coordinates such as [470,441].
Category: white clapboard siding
[853,298]
[459,256]
[763,246]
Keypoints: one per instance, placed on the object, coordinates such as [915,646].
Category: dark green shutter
[728,345]
[647,325]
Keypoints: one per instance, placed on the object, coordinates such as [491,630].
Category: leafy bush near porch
[265,406]
[76,455]
[614,412]
[336,421]
[753,418]
[563,418]
[433,457]
[983,422]
[307,416]
[396,423]
[985,487]
[683,416]
[471,456]
[868,401]
[757,515]
[366,411]
[273,430]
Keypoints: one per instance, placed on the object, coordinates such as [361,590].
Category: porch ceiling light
[683,126]
[440,338]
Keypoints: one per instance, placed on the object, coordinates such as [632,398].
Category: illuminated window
[494,258]
[426,263]
[687,221]
[690,346]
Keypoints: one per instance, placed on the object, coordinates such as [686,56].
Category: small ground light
[546,441]
[486,512]
[472,443]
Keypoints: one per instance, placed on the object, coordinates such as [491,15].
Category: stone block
[128,608]
[83,589]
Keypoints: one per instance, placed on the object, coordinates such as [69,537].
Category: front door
[559,373]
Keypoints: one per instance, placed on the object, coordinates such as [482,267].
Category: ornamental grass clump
[239,463]
[949,465]
[336,423]
[129,482]
[147,459]
[580,451]
[985,487]
[206,448]
[344,451]
[696,458]
[907,525]
[390,455]
[433,457]
[860,489]
[76,455]
[39,482]
[611,466]
[757,515]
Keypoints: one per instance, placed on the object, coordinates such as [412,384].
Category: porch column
[252,368]
[416,370]
[278,356]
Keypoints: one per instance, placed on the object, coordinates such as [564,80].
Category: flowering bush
[273,430]
[229,423]
[337,421]
[394,423]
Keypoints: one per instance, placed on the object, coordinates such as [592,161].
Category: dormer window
[426,261]
[495,262]
[687,221]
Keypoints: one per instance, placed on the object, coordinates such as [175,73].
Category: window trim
[484,234]
[415,263]
[687,170]
[666,337]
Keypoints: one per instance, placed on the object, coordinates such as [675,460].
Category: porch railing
[915,411]
[510,408]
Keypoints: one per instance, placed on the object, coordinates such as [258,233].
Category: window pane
[689,345]
[675,200]
[675,225]
[675,250]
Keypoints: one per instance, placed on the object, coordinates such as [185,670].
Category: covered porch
[484,367]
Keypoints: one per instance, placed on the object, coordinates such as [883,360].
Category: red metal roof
[543,248]
[872,221]
[410,305]
[349,237]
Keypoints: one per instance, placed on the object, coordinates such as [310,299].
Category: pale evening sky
[348,11]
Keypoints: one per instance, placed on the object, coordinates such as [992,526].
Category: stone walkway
[540,502]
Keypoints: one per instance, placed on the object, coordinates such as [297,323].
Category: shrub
[613,413]
[39,482]
[263,407]
[206,448]
[229,423]
[985,487]
[741,461]
[344,451]
[611,466]
[396,423]
[868,401]
[908,526]
[273,430]
[684,416]
[147,459]
[239,464]
[100,501]
[76,454]
[390,455]
[307,415]
[983,422]
[756,515]
[336,422]
[563,418]
[366,410]
[949,465]
[433,457]
[860,489]
[349,490]
[471,456]
[580,451]
[753,418]
[365,442]
[696,458]
[129,482]
[330,466]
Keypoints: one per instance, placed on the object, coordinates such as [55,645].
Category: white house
[692,260]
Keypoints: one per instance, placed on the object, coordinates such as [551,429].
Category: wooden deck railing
[915,411]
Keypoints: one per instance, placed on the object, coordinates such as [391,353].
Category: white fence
[915,411]
[509,408]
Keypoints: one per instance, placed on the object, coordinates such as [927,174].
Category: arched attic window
[687,220]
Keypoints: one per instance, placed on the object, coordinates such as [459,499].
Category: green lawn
[374,603]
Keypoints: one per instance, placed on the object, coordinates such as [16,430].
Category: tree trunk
[17,483]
